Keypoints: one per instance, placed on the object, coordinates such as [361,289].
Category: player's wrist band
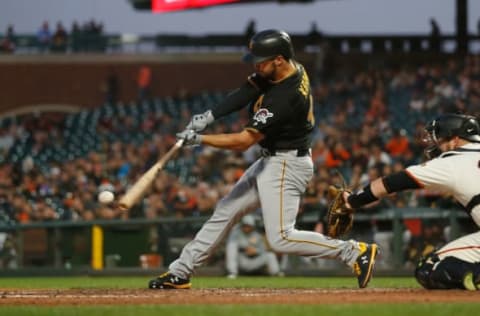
[362,198]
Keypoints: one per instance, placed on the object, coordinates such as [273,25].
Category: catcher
[456,139]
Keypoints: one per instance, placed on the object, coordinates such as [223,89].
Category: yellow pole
[97,247]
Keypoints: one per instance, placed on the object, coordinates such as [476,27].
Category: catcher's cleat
[470,282]
[363,267]
[169,281]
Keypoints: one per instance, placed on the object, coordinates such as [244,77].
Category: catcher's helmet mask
[267,45]
[447,126]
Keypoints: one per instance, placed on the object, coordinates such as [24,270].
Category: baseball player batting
[281,122]
[456,139]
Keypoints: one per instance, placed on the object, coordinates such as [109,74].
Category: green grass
[230,310]
[264,310]
[202,282]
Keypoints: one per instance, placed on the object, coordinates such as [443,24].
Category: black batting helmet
[269,44]
[447,126]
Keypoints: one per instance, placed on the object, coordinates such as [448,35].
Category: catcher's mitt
[339,217]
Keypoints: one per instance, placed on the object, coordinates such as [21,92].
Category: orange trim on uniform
[457,249]
[282,232]
[420,184]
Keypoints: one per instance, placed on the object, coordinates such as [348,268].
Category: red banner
[175,5]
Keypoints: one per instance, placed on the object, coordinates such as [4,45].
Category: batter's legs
[281,185]
[242,199]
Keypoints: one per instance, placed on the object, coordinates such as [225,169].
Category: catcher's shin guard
[449,273]
[471,282]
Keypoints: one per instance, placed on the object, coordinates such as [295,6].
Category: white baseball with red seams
[106,197]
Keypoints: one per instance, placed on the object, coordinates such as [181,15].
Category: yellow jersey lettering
[258,104]
[304,87]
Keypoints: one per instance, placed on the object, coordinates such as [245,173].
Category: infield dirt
[230,296]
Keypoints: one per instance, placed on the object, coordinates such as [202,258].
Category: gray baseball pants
[276,184]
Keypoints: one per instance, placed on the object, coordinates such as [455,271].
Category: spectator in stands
[417,101]
[314,200]
[8,43]
[314,36]
[144,81]
[337,155]
[109,212]
[75,35]
[157,200]
[42,211]
[206,198]
[6,140]
[44,37]
[8,253]
[435,41]
[59,39]
[319,152]
[246,251]
[111,86]
[378,155]
[185,203]
[86,205]
[378,107]
[444,89]
[93,27]
[398,145]
[251,29]
[92,36]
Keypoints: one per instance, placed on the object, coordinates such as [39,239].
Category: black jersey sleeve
[272,111]
[260,83]
[240,97]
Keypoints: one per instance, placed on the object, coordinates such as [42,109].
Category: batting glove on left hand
[190,138]
[200,121]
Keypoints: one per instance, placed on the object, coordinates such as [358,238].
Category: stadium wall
[80,80]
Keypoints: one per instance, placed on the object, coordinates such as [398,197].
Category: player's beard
[271,74]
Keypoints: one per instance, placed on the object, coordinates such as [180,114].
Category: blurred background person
[246,251]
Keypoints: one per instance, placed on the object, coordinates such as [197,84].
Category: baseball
[106,197]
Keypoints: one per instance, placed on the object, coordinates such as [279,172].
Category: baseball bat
[138,189]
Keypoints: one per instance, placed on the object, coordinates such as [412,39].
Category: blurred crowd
[369,124]
[358,135]
[80,38]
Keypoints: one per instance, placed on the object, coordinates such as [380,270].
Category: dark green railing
[127,230]
[28,43]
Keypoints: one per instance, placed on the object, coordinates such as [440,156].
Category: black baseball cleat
[470,282]
[363,267]
[169,281]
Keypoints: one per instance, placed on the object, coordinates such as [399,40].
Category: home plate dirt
[230,296]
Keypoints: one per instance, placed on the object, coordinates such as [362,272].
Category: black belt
[274,152]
